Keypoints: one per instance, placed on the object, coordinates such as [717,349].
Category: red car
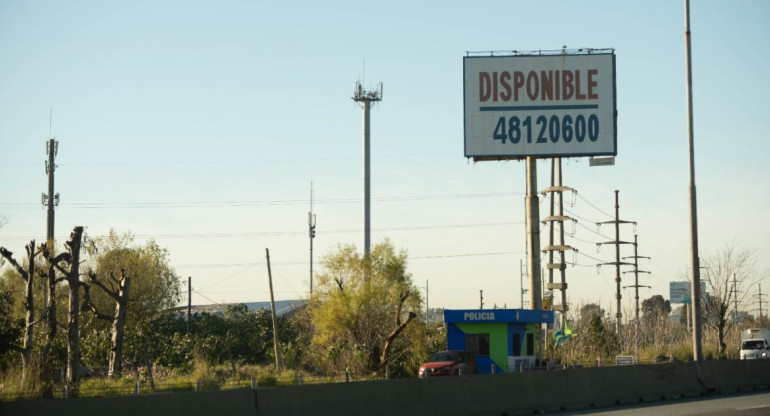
[448,363]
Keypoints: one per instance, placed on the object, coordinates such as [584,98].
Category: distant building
[282,307]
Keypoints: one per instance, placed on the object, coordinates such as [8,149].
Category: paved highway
[746,404]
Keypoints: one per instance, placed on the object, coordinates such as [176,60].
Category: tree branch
[9,256]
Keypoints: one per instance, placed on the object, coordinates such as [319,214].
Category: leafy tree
[655,309]
[119,264]
[601,341]
[363,312]
[589,311]
[10,327]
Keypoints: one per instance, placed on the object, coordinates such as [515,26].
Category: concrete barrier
[498,394]
[235,402]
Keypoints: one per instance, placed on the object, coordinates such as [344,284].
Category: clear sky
[202,124]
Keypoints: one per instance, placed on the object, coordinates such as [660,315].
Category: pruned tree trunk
[118,326]
[120,295]
[72,276]
[29,305]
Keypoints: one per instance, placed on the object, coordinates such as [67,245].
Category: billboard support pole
[533,246]
[533,236]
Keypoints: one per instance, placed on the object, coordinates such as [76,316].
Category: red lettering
[578,95]
[532,85]
[484,89]
[592,84]
[505,77]
[494,86]
[567,87]
[518,82]
[546,85]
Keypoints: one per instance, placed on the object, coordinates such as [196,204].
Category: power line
[291,233]
[304,262]
[247,203]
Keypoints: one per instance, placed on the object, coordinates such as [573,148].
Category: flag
[563,334]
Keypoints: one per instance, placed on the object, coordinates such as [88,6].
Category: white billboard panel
[540,105]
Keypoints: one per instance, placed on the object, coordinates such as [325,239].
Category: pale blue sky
[202,124]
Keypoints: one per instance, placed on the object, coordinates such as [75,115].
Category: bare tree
[118,290]
[28,275]
[729,276]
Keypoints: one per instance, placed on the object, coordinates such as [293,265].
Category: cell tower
[366,98]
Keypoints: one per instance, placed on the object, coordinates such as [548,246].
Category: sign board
[624,360]
[540,105]
[679,292]
[602,161]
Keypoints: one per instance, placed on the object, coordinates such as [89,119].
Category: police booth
[501,340]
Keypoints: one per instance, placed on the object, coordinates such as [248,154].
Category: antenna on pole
[365,98]
[311,233]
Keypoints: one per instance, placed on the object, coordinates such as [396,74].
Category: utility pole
[189,302]
[557,191]
[694,259]
[50,200]
[311,233]
[481,299]
[272,310]
[366,98]
[617,263]
[636,287]
[759,296]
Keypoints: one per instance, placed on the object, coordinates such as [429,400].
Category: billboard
[679,292]
[540,105]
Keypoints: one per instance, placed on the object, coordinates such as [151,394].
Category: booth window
[531,344]
[516,345]
[477,344]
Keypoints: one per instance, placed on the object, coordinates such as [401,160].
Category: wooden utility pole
[272,310]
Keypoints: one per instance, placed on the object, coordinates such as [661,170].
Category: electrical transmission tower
[734,293]
[557,190]
[636,287]
[617,263]
[759,299]
[366,98]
